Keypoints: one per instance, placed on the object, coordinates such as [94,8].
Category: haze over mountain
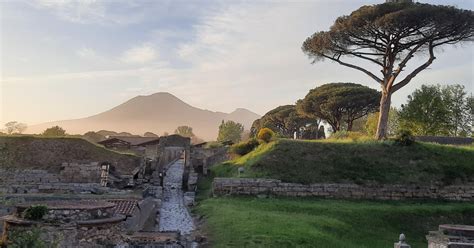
[160,112]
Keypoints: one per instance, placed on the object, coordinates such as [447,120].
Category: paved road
[174,215]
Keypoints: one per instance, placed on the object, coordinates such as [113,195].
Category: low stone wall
[73,178]
[445,140]
[60,188]
[251,186]
[80,173]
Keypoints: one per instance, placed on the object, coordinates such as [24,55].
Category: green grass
[285,222]
[355,162]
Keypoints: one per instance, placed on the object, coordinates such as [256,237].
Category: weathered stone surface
[256,186]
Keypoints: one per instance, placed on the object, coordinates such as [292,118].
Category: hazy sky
[70,59]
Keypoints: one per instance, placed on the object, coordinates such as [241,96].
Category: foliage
[436,110]
[362,161]
[404,138]
[35,212]
[150,134]
[338,103]
[93,137]
[28,238]
[55,131]
[213,144]
[265,134]
[15,127]
[230,131]
[185,131]
[393,122]
[296,222]
[389,35]
[245,147]
[354,136]
[283,120]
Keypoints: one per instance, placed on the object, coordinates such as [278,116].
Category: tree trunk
[349,125]
[382,126]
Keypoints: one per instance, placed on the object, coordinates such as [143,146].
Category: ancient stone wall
[250,186]
[80,173]
[73,178]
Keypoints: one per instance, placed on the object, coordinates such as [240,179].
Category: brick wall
[250,186]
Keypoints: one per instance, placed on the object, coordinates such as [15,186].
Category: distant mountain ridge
[158,113]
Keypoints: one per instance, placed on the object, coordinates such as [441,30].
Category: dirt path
[174,216]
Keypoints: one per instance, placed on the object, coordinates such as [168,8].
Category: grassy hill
[27,152]
[291,222]
[355,162]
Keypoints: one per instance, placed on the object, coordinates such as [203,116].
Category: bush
[213,144]
[354,136]
[35,212]
[404,138]
[265,134]
[243,148]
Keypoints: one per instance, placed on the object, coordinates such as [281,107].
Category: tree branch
[413,74]
[354,67]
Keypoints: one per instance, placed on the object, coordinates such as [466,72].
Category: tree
[150,134]
[93,137]
[393,123]
[185,131]
[55,131]
[457,102]
[436,110]
[339,103]
[230,131]
[15,127]
[388,36]
[283,120]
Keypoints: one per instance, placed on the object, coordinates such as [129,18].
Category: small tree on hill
[283,120]
[339,103]
[388,36]
[93,137]
[185,131]
[55,131]
[230,131]
[436,110]
[15,127]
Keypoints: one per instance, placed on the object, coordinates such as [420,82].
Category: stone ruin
[69,223]
[451,236]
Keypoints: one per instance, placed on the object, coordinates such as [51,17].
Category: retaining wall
[251,186]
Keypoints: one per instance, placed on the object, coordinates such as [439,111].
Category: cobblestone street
[174,216]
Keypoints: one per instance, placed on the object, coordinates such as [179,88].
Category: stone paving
[174,216]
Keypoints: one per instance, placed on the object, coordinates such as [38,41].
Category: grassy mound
[355,162]
[26,152]
[284,222]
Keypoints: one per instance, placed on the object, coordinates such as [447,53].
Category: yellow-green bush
[265,134]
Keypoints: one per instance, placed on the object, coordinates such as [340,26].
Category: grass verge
[290,222]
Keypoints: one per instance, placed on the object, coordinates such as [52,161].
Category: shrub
[354,136]
[243,148]
[213,144]
[35,212]
[340,135]
[27,238]
[404,138]
[265,134]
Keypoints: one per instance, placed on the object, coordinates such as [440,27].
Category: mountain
[157,113]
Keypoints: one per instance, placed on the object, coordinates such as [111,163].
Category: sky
[71,59]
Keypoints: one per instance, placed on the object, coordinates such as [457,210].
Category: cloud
[140,54]
[86,53]
[242,55]
[85,11]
